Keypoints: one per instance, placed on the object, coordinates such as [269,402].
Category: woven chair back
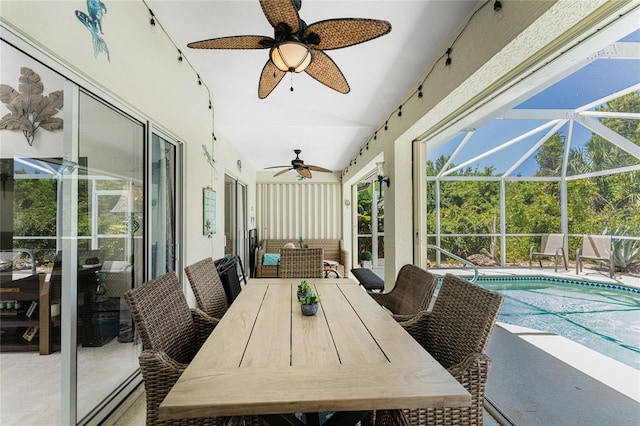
[461,321]
[301,263]
[162,317]
[413,290]
[207,287]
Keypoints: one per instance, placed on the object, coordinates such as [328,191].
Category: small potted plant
[309,304]
[303,290]
[365,258]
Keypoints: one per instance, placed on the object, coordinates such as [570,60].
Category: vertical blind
[294,210]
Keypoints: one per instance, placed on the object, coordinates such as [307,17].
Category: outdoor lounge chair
[411,294]
[597,248]
[551,245]
[455,333]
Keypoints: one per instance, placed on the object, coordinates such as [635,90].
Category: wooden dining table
[266,358]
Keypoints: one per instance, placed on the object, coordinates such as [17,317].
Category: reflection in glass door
[163,238]
[235,220]
[108,184]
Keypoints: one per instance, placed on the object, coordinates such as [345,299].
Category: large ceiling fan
[298,47]
[298,165]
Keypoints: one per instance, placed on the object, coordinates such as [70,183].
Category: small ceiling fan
[298,165]
[298,47]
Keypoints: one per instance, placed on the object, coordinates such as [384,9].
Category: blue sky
[598,79]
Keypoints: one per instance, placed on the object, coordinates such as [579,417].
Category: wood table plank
[311,340]
[241,391]
[354,343]
[231,335]
[398,347]
[270,341]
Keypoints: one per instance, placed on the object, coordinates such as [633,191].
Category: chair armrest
[383,299]
[474,362]
[472,373]
[345,261]
[204,324]
[417,326]
[403,318]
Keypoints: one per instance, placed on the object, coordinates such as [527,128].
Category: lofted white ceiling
[327,126]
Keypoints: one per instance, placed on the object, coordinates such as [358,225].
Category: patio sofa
[269,252]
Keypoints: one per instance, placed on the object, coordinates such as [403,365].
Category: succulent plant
[626,252]
[310,299]
[29,109]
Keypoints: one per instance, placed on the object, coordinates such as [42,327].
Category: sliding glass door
[163,207]
[88,210]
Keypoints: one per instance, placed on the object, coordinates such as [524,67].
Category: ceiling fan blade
[269,79]
[233,42]
[283,171]
[279,11]
[318,169]
[338,33]
[323,69]
[275,167]
[304,172]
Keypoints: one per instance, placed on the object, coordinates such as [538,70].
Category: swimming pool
[600,316]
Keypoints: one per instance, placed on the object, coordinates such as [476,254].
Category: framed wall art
[209,211]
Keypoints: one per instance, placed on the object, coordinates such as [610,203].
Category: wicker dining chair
[301,263]
[456,333]
[171,335]
[207,287]
[411,294]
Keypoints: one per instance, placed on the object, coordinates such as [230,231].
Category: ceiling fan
[298,47]
[298,165]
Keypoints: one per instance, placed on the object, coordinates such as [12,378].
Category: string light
[497,6]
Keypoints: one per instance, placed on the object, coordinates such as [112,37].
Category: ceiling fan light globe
[291,56]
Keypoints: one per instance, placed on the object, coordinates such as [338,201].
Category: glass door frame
[179,231]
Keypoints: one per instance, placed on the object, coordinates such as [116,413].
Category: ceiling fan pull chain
[291,74]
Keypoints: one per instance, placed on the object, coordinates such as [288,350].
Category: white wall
[143,74]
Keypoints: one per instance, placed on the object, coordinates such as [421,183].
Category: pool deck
[544,378]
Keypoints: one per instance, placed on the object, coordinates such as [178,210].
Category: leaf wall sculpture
[29,109]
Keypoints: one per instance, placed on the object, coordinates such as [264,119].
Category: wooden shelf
[14,323]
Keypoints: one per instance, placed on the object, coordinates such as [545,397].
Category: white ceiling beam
[613,137]
[503,146]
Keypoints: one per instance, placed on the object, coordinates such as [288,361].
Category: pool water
[602,317]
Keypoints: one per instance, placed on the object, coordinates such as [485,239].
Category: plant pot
[304,294]
[309,309]
[367,264]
